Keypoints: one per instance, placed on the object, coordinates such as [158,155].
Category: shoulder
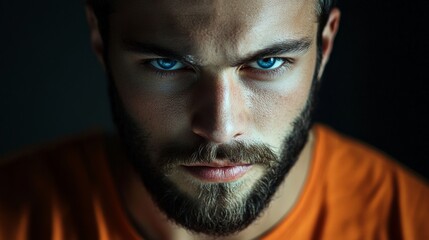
[43,162]
[36,182]
[35,165]
[55,148]
[358,160]
[363,183]
[70,147]
[34,175]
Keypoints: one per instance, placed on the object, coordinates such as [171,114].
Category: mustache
[237,152]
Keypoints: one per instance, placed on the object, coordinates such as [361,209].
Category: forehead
[213,26]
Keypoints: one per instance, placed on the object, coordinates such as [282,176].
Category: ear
[328,36]
[95,35]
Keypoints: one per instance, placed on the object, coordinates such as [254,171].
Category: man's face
[213,100]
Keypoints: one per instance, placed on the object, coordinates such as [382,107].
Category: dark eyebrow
[144,48]
[288,46]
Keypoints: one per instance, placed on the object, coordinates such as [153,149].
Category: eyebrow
[297,46]
[153,49]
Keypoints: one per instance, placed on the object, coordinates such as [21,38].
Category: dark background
[374,89]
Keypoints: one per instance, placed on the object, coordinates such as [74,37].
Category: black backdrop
[374,89]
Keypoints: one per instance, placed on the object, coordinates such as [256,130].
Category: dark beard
[217,210]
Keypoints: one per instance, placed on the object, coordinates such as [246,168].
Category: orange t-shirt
[66,191]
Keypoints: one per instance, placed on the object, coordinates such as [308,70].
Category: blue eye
[267,63]
[166,64]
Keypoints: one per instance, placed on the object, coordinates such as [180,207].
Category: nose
[220,112]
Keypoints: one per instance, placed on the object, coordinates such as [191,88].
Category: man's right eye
[166,64]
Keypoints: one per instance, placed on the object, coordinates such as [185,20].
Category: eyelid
[278,62]
[286,61]
[152,62]
[268,74]
[177,65]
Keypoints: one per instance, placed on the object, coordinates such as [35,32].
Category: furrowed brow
[299,46]
[152,49]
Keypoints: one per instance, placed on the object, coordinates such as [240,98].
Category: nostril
[237,135]
[217,135]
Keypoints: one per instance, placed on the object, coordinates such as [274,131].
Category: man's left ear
[328,36]
[96,39]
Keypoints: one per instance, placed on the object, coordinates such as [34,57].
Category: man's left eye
[166,64]
[267,63]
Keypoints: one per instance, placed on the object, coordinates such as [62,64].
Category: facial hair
[218,209]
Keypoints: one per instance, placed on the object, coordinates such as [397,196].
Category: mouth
[217,172]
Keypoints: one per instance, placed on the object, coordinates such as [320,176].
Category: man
[213,103]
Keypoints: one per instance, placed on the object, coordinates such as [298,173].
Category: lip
[217,172]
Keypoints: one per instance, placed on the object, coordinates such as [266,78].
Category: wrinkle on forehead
[216,30]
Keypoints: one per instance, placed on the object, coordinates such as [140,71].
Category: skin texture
[225,104]
[218,98]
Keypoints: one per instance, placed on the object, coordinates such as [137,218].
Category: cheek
[276,109]
[278,106]
[159,116]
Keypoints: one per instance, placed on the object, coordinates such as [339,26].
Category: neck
[151,223]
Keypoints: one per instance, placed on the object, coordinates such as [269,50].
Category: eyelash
[161,73]
[270,73]
[274,72]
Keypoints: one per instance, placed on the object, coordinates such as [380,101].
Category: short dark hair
[102,9]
